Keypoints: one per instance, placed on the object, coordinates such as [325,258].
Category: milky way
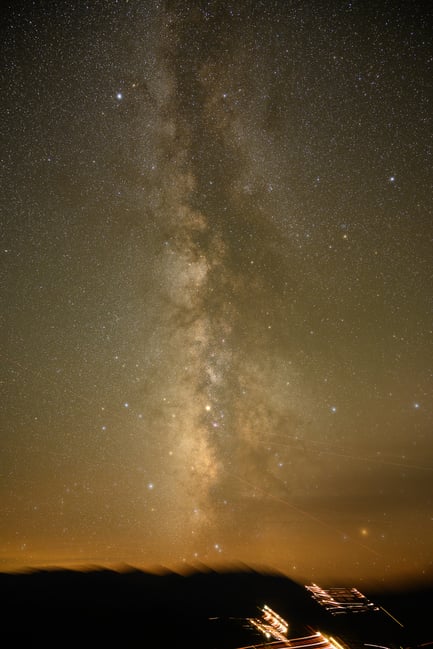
[217,286]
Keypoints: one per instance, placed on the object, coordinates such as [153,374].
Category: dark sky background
[216,286]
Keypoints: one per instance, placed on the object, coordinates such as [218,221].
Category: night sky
[216,286]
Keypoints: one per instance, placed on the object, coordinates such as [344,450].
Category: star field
[216,286]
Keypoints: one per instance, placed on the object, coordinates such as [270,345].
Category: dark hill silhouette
[201,608]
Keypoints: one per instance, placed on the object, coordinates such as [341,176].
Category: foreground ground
[210,610]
